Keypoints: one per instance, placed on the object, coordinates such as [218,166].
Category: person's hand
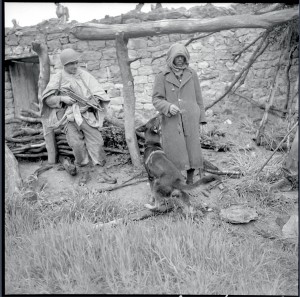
[174,109]
[203,129]
[67,100]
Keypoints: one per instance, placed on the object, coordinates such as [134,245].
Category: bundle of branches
[27,140]
[113,137]
[208,142]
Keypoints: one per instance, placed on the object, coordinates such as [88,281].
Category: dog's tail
[204,180]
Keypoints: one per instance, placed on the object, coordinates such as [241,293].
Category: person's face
[179,61]
[71,67]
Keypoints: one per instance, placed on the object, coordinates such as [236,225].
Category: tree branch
[124,184]
[272,108]
[275,6]
[281,142]
[29,119]
[252,59]
[133,60]
[269,102]
[238,55]
[31,113]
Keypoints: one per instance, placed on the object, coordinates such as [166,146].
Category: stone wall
[211,57]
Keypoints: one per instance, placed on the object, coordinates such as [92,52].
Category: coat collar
[170,76]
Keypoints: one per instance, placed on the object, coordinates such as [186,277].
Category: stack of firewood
[28,141]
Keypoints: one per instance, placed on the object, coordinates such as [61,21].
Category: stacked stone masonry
[211,57]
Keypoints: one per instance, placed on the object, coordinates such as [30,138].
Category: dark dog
[165,179]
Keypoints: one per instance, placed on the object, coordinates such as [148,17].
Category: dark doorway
[24,77]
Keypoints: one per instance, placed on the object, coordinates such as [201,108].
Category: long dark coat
[180,133]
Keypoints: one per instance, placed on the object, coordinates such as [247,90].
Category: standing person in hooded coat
[177,96]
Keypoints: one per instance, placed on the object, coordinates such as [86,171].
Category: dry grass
[51,248]
[144,258]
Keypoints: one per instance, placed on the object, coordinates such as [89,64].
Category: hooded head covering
[174,51]
[68,55]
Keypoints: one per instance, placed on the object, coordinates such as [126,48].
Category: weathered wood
[258,51]
[287,71]
[114,150]
[26,131]
[29,119]
[270,8]
[281,142]
[238,55]
[124,184]
[44,77]
[23,79]
[30,113]
[13,121]
[137,216]
[24,139]
[44,154]
[272,109]
[90,31]
[270,100]
[28,146]
[129,99]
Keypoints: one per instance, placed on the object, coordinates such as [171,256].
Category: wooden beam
[91,31]
[44,77]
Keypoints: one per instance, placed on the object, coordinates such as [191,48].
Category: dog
[166,181]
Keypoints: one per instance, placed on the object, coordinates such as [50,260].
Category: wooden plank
[24,80]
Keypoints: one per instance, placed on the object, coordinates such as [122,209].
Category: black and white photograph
[150,148]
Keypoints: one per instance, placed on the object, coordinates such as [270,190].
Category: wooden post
[270,100]
[49,135]
[129,98]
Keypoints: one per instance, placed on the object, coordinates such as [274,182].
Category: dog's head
[152,129]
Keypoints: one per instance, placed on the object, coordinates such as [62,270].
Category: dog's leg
[152,199]
[160,194]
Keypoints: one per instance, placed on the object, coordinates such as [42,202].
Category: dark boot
[190,176]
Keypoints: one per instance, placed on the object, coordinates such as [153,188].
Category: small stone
[290,229]
[221,187]
[238,214]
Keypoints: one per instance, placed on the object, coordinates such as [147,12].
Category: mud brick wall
[211,57]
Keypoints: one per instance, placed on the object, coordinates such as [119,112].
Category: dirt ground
[58,183]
